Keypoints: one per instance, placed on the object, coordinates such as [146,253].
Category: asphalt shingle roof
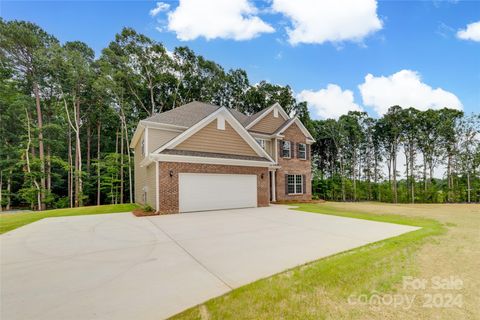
[191,113]
[255,116]
[186,115]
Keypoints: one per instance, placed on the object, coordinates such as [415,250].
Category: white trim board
[206,160]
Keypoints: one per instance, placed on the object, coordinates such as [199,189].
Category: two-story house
[204,157]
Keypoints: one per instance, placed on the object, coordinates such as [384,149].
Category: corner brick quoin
[169,185]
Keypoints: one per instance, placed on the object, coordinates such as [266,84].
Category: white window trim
[304,151]
[289,149]
[295,184]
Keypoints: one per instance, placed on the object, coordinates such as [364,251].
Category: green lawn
[320,290]
[10,221]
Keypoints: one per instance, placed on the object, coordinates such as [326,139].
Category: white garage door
[204,191]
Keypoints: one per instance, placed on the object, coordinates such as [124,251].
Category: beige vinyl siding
[140,172]
[145,176]
[150,181]
[269,123]
[158,137]
[210,139]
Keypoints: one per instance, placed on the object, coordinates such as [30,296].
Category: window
[286,149]
[261,142]
[143,147]
[294,184]
[302,151]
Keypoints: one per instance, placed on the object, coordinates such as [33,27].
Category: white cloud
[471,32]
[405,89]
[331,102]
[315,21]
[161,6]
[232,19]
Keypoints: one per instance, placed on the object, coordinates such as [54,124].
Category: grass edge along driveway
[320,289]
[11,221]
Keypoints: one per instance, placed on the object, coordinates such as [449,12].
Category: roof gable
[268,124]
[257,117]
[211,139]
[230,122]
[300,126]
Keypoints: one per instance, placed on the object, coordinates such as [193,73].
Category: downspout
[157,186]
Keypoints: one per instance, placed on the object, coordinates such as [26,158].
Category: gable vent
[220,123]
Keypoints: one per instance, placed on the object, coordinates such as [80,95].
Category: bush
[147,208]
[63,202]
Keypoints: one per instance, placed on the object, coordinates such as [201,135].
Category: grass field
[448,245]
[10,221]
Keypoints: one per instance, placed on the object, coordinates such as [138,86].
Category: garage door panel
[201,191]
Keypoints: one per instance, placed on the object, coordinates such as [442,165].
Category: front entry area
[209,191]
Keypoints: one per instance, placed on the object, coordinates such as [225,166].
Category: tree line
[356,157]
[67,117]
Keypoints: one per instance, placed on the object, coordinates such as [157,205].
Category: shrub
[147,208]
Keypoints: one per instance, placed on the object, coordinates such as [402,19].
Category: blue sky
[412,50]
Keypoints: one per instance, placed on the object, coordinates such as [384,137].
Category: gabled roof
[227,116]
[255,118]
[190,114]
[284,126]
[187,116]
[300,125]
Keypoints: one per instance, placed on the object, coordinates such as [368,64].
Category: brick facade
[168,186]
[294,165]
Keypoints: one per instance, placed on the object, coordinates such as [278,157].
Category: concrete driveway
[117,266]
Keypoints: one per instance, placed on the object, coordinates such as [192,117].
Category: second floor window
[286,149]
[143,147]
[302,151]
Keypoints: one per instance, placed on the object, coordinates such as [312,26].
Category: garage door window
[294,184]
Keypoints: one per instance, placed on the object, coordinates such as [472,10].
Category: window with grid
[295,184]
[286,149]
[302,151]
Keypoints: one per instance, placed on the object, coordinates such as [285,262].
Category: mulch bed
[299,201]
[141,213]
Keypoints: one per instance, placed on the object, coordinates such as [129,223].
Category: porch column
[274,197]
